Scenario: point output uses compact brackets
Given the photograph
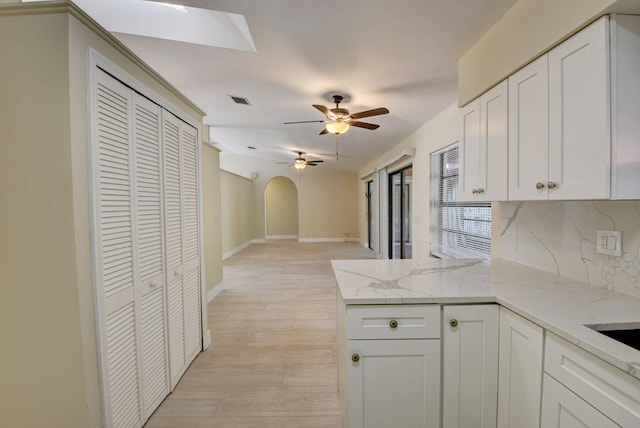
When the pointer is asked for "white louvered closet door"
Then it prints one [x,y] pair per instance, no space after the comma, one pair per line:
[115,252]
[149,253]
[191,243]
[182,238]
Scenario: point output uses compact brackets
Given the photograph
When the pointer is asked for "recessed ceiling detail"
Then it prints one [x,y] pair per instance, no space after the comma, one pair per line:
[171,22]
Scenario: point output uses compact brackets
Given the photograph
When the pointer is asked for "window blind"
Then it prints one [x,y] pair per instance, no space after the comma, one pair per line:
[458,229]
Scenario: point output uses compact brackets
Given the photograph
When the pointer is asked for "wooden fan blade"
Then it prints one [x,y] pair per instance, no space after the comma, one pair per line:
[368,113]
[323,109]
[304,121]
[364,125]
[324,131]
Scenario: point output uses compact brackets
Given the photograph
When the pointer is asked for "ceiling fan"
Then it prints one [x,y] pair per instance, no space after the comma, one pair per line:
[339,120]
[300,162]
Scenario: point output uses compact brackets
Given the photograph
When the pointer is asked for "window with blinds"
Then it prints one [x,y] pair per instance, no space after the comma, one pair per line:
[458,229]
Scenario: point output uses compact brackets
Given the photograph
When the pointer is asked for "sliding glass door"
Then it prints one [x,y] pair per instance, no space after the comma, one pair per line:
[400,183]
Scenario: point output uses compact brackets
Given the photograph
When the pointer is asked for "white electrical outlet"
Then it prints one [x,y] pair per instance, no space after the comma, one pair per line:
[609,242]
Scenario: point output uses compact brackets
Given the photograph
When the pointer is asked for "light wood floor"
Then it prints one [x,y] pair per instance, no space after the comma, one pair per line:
[272,362]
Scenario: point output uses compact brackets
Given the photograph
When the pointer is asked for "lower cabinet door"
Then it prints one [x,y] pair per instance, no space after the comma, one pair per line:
[470,366]
[561,408]
[393,383]
[519,372]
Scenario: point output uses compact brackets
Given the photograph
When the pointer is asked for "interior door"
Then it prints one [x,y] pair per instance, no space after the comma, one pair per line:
[400,183]
[114,250]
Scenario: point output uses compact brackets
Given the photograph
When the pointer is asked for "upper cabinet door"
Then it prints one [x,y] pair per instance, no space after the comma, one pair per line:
[483,147]
[529,131]
[579,137]
[469,166]
[494,113]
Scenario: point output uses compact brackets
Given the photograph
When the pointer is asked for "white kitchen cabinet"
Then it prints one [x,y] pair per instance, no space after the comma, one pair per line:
[389,365]
[529,131]
[579,138]
[470,366]
[393,383]
[573,128]
[483,147]
[559,142]
[611,391]
[519,372]
[561,408]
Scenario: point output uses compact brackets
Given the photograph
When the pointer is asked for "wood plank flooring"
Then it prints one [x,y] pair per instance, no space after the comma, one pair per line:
[272,362]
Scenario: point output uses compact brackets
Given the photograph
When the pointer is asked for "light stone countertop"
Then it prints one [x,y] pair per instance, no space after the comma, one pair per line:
[557,304]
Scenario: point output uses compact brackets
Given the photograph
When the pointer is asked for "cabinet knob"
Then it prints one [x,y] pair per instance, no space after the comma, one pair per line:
[539,185]
[480,190]
[474,191]
[355,358]
[453,322]
[551,185]
[393,324]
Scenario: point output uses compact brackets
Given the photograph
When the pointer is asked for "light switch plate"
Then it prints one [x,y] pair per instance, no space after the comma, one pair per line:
[609,242]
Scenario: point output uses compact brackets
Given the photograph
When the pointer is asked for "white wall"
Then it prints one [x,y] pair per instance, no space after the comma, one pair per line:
[437,133]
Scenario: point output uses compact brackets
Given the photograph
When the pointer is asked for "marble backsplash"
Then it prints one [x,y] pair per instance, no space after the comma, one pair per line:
[560,237]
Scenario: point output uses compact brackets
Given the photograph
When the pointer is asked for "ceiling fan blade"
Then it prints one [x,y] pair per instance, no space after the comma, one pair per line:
[284,163]
[324,131]
[314,162]
[364,125]
[368,113]
[304,121]
[311,164]
[323,109]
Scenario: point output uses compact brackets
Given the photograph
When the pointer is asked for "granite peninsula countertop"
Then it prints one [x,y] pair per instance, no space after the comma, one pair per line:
[560,305]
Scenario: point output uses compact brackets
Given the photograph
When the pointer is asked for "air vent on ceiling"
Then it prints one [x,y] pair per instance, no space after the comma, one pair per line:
[240,100]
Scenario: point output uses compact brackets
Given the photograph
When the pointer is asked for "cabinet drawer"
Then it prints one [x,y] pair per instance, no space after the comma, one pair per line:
[608,389]
[393,322]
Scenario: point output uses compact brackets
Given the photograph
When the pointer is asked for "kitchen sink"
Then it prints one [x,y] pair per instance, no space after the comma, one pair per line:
[627,333]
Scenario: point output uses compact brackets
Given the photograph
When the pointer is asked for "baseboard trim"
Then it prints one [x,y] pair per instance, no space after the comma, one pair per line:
[282,236]
[328,240]
[211,294]
[239,248]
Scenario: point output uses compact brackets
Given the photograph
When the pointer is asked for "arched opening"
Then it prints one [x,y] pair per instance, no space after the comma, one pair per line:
[281,209]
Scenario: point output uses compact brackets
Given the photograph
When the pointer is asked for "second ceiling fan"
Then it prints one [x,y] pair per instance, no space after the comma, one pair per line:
[339,119]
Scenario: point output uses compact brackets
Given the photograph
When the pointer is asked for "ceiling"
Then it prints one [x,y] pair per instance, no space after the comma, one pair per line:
[398,54]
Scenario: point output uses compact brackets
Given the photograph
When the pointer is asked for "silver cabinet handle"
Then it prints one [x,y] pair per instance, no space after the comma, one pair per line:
[393,324]
[539,185]
[480,190]
[355,358]
[551,185]
[453,322]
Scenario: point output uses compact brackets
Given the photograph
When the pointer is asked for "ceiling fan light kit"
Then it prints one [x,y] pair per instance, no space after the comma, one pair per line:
[338,120]
[301,163]
[338,127]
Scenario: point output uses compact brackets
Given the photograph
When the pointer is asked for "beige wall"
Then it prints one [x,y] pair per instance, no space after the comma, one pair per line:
[237,211]
[528,29]
[281,199]
[327,198]
[439,132]
[49,361]
[212,222]
[42,357]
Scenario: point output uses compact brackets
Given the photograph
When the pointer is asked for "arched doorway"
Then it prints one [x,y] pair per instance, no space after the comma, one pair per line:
[281,209]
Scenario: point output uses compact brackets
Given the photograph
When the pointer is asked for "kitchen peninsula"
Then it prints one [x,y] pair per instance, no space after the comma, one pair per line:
[563,363]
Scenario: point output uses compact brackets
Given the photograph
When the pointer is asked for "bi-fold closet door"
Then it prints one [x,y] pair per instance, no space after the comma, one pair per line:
[146,249]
